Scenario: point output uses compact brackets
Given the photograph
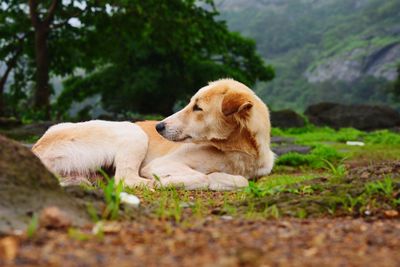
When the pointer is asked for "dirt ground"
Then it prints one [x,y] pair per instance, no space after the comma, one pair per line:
[222,242]
[219,239]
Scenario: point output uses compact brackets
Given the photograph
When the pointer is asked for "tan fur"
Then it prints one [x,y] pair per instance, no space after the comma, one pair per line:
[218,147]
[158,146]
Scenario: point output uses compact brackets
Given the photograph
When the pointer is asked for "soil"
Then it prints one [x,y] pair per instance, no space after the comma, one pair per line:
[222,242]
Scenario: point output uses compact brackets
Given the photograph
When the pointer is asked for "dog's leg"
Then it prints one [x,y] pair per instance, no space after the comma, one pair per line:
[175,174]
[80,149]
[127,164]
[220,181]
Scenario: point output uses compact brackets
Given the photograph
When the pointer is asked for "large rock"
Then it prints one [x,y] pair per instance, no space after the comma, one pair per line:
[286,119]
[362,117]
[26,187]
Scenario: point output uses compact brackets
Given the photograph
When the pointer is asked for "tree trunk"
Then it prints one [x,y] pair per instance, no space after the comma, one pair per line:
[10,65]
[43,91]
[2,84]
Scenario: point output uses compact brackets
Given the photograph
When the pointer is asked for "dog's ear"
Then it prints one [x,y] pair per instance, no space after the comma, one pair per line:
[235,103]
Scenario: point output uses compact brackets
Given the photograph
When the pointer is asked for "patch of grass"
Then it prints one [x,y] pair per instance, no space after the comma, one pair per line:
[315,159]
[171,204]
[278,185]
[33,226]
[78,234]
[322,197]
[383,137]
[311,134]
[337,171]
[371,153]
[384,187]
[112,192]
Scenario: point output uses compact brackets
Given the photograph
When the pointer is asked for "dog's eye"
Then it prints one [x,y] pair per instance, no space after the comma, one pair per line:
[197,108]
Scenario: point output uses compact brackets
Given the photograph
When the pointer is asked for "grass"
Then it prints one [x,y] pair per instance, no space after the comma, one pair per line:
[316,159]
[301,186]
[33,226]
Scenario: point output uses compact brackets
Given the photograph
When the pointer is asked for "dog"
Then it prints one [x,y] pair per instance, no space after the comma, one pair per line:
[218,141]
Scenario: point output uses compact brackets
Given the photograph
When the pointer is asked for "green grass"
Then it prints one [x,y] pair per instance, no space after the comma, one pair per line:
[330,145]
[316,159]
[33,226]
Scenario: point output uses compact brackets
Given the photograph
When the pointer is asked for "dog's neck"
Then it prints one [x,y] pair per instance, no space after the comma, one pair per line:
[240,140]
[255,144]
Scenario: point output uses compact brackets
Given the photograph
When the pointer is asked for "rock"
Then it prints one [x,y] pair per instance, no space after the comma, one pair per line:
[27,187]
[282,140]
[281,150]
[355,143]
[362,117]
[129,199]
[54,218]
[9,248]
[391,213]
[357,63]
[286,119]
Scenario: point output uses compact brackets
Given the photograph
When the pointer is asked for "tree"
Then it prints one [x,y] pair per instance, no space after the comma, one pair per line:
[38,38]
[42,28]
[13,36]
[162,51]
[128,50]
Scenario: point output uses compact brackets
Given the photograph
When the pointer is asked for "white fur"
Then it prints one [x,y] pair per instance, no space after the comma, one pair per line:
[79,149]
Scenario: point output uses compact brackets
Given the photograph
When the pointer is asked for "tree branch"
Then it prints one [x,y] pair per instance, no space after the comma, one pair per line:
[33,13]
[10,65]
[51,11]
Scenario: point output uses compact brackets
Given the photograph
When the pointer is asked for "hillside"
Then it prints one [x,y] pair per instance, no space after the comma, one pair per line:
[323,50]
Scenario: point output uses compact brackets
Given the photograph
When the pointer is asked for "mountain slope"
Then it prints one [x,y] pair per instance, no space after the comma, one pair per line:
[323,50]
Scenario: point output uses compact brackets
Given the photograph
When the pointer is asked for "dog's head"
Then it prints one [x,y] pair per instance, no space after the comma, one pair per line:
[213,113]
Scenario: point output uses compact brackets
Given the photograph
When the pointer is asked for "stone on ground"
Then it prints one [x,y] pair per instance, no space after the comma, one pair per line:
[27,187]
[362,117]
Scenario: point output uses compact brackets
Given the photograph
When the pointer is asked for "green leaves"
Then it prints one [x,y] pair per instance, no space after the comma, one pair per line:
[130,51]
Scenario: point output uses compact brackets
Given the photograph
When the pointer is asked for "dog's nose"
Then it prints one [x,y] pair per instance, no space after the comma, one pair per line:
[160,127]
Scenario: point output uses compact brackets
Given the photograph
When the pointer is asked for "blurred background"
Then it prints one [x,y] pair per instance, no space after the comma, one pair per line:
[126,59]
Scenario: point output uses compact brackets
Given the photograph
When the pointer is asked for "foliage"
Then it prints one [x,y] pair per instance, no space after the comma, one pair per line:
[127,52]
[165,52]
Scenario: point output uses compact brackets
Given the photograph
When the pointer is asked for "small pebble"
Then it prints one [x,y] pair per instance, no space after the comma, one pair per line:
[226,217]
[355,143]
[367,212]
[129,199]
[54,218]
[186,204]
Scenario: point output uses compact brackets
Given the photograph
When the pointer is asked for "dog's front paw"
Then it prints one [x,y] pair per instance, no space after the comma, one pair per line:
[138,182]
[226,182]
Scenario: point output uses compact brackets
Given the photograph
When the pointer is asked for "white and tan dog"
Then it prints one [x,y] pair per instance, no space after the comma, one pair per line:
[217,141]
